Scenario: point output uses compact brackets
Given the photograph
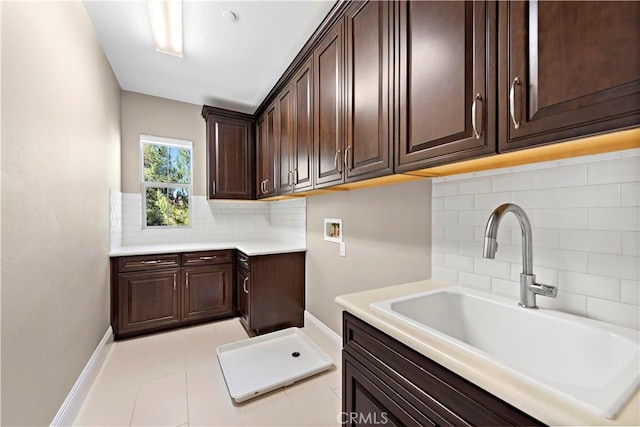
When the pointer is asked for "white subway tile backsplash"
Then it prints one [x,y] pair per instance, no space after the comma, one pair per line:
[458,262]
[475,281]
[613,171]
[630,292]
[630,194]
[590,196]
[621,218]
[562,176]
[437,259]
[459,232]
[536,198]
[475,185]
[631,243]
[512,182]
[562,260]
[458,203]
[444,274]
[444,218]
[566,302]
[589,285]
[437,204]
[492,268]
[490,200]
[506,288]
[560,218]
[586,232]
[622,266]
[608,311]
[592,241]
[445,189]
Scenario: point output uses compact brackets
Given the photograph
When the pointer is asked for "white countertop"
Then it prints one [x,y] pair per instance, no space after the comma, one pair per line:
[251,248]
[514,389]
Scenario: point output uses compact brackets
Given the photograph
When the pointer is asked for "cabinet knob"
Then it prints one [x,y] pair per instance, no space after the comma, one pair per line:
[512,102]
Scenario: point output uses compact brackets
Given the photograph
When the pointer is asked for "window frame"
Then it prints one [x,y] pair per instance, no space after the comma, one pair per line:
[169,142]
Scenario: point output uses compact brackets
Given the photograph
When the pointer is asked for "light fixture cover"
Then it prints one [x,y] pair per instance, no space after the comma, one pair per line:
[166,25]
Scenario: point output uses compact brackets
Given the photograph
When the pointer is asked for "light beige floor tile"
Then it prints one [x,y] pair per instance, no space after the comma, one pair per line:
[162,402]
[147,357]
[110,402]
[201,362]
[316,403]
[211,405]
[273,409]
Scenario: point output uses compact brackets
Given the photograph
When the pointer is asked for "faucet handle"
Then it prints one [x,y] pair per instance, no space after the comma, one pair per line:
[544,290]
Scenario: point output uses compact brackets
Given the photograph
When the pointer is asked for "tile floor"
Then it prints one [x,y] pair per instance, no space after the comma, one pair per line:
[173,379]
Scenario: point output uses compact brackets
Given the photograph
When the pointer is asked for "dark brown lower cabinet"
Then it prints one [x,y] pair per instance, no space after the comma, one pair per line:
[385,382]
[207,291]
[270,291]
[148,300]
[150,293]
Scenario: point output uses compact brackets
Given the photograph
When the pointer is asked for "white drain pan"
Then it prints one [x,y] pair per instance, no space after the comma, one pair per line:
[255,366]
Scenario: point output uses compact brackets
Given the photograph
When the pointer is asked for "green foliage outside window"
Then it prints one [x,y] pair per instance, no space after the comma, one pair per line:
[167,184]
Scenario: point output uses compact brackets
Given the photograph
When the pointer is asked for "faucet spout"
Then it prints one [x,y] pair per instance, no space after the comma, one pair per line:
[528,286]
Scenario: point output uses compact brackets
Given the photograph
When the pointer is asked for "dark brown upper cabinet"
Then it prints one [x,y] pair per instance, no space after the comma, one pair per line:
[445,82]
[286,163]
[567,69]
[368,43]
[230,154]
[328,63]
[302,84]
[267,152]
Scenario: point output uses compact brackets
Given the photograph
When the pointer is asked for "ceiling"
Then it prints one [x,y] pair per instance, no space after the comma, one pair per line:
[225,64]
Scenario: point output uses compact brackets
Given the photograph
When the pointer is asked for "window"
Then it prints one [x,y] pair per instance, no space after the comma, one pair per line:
[166,181]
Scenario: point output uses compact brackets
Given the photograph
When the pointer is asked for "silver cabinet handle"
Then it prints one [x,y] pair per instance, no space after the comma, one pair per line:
[174,282]
[346,158]
[243,259]
[244,285]
[266,186]
[295,176]
[289,178]
[473,116]
[213,187]
[335,160]
[512,102]
[204,258]
[262,187]
[152,262]
[187,277]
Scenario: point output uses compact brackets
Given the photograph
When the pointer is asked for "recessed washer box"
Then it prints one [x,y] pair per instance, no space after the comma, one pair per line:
[258,365]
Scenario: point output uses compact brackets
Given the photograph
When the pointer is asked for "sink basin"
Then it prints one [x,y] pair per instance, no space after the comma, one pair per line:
[591,363]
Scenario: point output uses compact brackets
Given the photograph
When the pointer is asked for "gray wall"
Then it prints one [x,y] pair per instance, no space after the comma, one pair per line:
[387,231]
[60,157]
[150,115]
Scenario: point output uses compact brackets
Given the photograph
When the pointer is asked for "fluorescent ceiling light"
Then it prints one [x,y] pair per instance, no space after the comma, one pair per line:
[166,24]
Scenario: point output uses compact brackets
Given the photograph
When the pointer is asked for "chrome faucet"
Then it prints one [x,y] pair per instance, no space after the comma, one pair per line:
[528,286]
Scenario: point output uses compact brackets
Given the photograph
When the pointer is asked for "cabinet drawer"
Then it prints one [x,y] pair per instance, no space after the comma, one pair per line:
[436,391]
[148,262]
[206,258]
[244,261]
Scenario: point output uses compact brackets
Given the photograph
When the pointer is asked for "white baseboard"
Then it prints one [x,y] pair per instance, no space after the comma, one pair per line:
[71,406]
[311,321]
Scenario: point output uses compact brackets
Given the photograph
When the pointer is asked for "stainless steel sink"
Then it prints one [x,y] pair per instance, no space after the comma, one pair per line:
[592,363]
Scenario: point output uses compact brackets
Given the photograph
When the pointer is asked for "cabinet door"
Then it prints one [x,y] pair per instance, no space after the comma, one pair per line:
[207,292]
[567,69]
[367,400]
[368,41]
[303,128]
[242,291]
[446,82]
[285,143]
[262,150]
[230,158]
[328,77]
[147,300]
[270,153]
